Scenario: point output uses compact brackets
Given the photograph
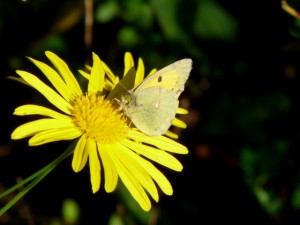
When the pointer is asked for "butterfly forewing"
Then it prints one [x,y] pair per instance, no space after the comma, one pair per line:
[171,77]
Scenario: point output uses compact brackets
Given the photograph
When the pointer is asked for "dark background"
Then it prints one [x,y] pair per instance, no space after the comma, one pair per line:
[242,95]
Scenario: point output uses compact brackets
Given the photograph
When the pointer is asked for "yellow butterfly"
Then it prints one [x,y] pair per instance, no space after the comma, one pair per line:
[152,105]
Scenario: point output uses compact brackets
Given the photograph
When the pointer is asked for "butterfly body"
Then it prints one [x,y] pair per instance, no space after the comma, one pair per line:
[152,105]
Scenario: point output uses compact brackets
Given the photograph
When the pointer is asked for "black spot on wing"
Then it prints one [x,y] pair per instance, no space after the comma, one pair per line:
[159,79]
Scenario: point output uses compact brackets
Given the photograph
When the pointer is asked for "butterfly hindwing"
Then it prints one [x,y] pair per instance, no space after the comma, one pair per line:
[154,114]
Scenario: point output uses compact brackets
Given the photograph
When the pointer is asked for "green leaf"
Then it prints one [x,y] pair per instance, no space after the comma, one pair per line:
[128,37]
[295,199]
[107,11]
[271,203]
[168,17]
[137,12]
[214,22]
[33,180]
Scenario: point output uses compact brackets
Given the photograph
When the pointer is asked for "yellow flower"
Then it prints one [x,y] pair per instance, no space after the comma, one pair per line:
[101,130]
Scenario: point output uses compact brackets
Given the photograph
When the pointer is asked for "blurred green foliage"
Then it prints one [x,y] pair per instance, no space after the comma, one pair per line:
[70,211]
[243,97]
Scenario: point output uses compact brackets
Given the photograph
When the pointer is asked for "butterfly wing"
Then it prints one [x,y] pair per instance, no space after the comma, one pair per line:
[153,110]
[171,77]
[152,105]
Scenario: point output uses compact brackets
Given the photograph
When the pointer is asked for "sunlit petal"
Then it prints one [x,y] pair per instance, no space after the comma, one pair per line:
[94,162]
[128,62]
[140,72]
[26,110]
[80,155]
[131,183]
[179,123]
[154,154]
[161,142]
[54,78]
[48,136]
[137,170]
[65,72]
[182,111]
[96,81]
[45,90]
[31,128]
[110,171]
[160,179]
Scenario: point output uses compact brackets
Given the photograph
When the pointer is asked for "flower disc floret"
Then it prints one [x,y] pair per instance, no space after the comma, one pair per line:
[99,119]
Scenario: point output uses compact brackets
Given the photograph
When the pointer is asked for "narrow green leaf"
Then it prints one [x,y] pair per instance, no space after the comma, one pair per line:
[33,179]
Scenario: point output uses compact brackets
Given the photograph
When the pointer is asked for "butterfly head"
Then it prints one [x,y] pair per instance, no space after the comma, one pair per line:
[126,99]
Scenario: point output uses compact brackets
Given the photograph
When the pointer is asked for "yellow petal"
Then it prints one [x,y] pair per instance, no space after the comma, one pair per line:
[21,80]
[80,155]
[45,90]
[160,179]
[54,78]
[140,72]
[86,75]
[179,123]
[96,81]
[110,171]
[26,110]
[182,111]
[169,145]
[160,142]
[137,170]
[128,62]
[171,135]
[152,72]
[131,183]
[53,135]
[110,82]
[95,168]
[111,77]
[154,154]
[65,72]
[33,127]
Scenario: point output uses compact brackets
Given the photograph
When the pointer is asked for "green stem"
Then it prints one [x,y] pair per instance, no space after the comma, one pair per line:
[34,178]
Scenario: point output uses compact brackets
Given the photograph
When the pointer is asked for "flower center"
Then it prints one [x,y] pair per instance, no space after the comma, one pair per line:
[99,119]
